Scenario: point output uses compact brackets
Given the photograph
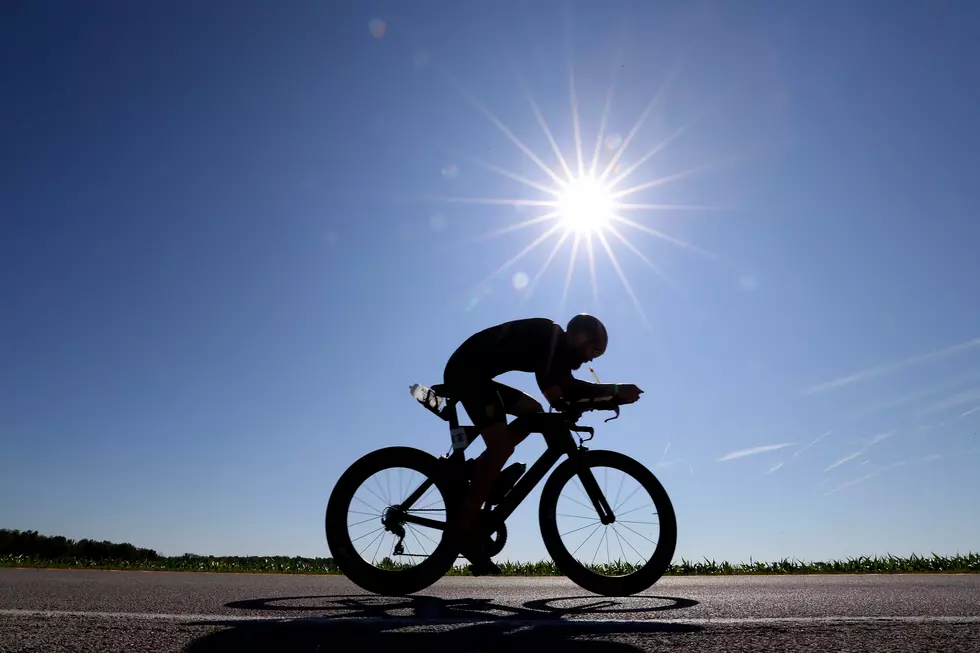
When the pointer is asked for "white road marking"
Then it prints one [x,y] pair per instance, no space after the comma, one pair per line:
[503,621]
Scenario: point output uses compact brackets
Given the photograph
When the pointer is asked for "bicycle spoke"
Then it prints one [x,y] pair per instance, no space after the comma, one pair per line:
[638,488]
[422,498]
[425,507]
[599,546]
[422,533]
[367,504]
[633,510]
[362,522]
[372,541]
[381,490]
[616,500]
[562,514]
[629,556]
[582,528]
[383,503]
[628,543]
[606,535]
[417,538]
[586,539]
[641,535]
[579,503]
[618,539]
[378,549]
[380,528]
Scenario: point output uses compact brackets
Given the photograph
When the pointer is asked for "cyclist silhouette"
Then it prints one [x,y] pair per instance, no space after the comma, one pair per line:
[536,345]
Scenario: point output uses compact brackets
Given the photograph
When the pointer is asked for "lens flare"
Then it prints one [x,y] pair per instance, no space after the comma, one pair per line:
[584,198]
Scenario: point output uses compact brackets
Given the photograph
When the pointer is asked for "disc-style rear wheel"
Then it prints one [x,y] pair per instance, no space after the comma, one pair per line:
[627,554]
[378,542]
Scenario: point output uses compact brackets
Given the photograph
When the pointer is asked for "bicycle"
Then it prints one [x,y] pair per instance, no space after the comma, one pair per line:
[449,475]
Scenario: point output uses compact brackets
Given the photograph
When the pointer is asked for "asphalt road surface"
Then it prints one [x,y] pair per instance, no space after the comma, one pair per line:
[202,613]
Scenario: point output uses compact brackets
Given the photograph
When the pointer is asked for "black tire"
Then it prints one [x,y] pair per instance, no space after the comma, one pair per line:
[625,585]
[388,582]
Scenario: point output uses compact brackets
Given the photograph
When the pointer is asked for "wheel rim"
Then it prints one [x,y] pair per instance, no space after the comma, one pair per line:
[614,549]
[376,520]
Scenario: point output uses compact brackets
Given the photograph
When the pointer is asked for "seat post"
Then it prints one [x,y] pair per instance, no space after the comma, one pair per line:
[452,416]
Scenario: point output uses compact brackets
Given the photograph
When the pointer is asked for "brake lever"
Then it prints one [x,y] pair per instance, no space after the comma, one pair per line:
[612,418]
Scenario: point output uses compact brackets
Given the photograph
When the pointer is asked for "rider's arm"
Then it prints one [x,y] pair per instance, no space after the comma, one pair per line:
[566,388]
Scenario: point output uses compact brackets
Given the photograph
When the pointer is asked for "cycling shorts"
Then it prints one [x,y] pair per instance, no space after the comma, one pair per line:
[486,401]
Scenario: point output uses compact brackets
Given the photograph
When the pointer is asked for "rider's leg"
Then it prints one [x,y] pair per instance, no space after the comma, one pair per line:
[500,441]
[486,469]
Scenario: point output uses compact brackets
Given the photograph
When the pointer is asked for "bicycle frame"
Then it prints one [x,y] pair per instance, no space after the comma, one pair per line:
[557,429]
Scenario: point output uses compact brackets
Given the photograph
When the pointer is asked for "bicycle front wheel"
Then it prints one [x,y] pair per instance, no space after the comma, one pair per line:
[628,553]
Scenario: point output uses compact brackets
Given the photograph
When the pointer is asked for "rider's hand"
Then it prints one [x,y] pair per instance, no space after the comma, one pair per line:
[628,393]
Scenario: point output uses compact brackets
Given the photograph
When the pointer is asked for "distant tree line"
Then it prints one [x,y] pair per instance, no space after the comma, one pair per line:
[52,547]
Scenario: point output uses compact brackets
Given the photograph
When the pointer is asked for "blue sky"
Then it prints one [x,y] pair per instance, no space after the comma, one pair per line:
[227,250]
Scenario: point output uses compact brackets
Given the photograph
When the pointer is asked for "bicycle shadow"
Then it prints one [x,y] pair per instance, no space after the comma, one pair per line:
[417,623]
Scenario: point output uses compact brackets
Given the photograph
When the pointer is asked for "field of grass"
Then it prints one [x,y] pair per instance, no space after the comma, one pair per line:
[31,549]
[969,563]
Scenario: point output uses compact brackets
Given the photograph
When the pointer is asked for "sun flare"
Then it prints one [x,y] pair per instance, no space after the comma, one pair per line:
[585,205]
[584,200]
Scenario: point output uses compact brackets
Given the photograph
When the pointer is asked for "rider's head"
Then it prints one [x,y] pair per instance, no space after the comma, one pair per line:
[587,337]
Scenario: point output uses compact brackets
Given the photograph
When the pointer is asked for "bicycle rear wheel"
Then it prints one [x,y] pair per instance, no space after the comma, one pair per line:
[566,510]
[414,555]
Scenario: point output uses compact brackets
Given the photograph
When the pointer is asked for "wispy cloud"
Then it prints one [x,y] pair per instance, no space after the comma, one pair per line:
[813,442]
[880,437]
[864,478]
[970,412]
[742,453]
[880,370]
[845,459]
[663,463]
[931,457]
[964,398]
[796,454]
[900,401]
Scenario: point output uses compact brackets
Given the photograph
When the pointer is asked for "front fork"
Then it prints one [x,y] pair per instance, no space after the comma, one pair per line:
[591,485]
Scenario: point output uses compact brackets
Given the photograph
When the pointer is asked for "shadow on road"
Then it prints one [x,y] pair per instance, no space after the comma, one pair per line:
[368,623]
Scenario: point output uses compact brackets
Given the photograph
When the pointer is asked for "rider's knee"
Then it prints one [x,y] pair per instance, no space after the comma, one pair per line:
[499,440]
[501,452]
[527,405]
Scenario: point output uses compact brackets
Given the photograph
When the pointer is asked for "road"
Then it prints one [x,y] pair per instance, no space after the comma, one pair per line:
[48,610]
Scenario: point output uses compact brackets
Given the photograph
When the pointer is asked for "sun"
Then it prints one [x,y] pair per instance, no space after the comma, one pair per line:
[585,205]
[584,201]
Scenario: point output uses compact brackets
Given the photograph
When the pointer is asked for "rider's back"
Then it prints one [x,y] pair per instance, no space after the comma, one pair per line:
[535,345]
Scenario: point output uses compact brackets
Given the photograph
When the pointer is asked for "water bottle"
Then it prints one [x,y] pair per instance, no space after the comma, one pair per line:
[425,396]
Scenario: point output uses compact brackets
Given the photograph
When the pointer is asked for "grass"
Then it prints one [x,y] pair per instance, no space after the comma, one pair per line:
[969,563]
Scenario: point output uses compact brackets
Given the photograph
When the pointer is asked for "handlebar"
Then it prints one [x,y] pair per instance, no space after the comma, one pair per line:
[575,410]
